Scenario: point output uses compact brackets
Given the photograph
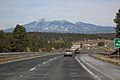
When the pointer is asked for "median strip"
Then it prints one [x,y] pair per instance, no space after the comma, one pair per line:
[7,58]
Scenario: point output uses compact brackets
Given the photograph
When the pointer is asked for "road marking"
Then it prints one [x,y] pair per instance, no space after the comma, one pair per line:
[101,72]
[54,57]
[44,62]
[50,59]
[95,76]
[32,69]
[21,76]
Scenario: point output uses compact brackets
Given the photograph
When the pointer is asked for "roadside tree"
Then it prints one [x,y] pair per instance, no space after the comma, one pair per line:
[19,39]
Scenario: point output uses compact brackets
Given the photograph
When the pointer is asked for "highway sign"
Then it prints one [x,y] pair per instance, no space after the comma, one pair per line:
[117,42]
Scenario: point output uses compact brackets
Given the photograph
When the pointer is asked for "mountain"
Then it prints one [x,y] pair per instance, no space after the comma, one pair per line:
[63,26]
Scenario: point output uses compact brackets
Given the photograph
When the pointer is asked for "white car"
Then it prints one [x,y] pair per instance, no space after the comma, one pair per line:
[68,53]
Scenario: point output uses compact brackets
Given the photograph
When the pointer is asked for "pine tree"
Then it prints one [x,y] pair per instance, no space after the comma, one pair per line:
[117,21]
[19,39]
[2,46]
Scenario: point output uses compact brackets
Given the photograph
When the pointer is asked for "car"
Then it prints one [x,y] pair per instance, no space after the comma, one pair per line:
[68,53]
[77,51]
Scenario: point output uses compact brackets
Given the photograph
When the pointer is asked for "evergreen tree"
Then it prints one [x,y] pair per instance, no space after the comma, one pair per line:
[117,21]
[2,38]
[19,39]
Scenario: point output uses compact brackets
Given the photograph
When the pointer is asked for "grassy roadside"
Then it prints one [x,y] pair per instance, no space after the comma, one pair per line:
[106,58]
[4,58]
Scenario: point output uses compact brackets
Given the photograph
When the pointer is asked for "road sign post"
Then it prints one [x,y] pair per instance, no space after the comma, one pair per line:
[117,44]
[118,54]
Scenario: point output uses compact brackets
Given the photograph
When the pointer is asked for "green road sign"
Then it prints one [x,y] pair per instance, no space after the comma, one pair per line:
[117,42]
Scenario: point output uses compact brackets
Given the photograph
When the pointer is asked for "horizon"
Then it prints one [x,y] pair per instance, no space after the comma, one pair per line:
[98,12]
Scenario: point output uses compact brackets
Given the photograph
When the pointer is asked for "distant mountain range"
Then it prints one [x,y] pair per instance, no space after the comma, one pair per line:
[63,26]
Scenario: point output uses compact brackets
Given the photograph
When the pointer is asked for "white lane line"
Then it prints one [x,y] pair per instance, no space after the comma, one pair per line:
[54,57]
[21,76]
[44,62]
[50,59]
[32,69]
[95,76]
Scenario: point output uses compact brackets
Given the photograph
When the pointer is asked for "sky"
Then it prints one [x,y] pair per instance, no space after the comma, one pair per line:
[99,12]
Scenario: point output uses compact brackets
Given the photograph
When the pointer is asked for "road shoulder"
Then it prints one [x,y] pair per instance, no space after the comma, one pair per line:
[103,70]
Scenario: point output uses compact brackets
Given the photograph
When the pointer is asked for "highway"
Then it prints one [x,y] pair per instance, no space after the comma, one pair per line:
[53,67]
[58,67]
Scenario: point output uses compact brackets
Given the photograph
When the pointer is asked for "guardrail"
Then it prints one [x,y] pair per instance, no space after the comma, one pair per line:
[25,53]
[6,57]
[18,53]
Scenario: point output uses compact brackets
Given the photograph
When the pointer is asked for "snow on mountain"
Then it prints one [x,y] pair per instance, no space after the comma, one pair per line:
[64,26]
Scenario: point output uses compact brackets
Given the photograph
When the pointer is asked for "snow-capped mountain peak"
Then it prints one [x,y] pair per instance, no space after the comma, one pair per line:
[63,26]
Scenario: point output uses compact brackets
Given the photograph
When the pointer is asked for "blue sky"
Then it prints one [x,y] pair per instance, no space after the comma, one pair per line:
[100,12]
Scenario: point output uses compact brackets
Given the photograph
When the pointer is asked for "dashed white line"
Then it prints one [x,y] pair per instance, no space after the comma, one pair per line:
[95,76]
[44,62]
[21,76]
[54,57]
[32,69]
[50,59]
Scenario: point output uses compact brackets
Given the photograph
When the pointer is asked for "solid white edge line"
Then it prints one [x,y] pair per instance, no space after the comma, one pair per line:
[95,76]
[101,72]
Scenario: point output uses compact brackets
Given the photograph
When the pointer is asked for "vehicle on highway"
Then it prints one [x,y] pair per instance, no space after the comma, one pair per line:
[68,53]
[77,51]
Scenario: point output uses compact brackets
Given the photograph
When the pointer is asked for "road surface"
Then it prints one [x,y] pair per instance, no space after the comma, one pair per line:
[103,70]
[53,67]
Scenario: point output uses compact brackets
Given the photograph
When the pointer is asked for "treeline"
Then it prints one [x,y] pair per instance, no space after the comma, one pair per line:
[14,42]
[20,40]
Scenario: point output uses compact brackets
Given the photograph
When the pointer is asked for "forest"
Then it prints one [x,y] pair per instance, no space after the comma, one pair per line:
[21,41]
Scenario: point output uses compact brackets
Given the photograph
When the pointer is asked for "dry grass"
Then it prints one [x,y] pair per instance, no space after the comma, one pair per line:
[6,58]
[18,57]
[106,58]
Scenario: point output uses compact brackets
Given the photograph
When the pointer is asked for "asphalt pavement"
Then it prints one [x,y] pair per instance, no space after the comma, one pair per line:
[53,67]
[101,69]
